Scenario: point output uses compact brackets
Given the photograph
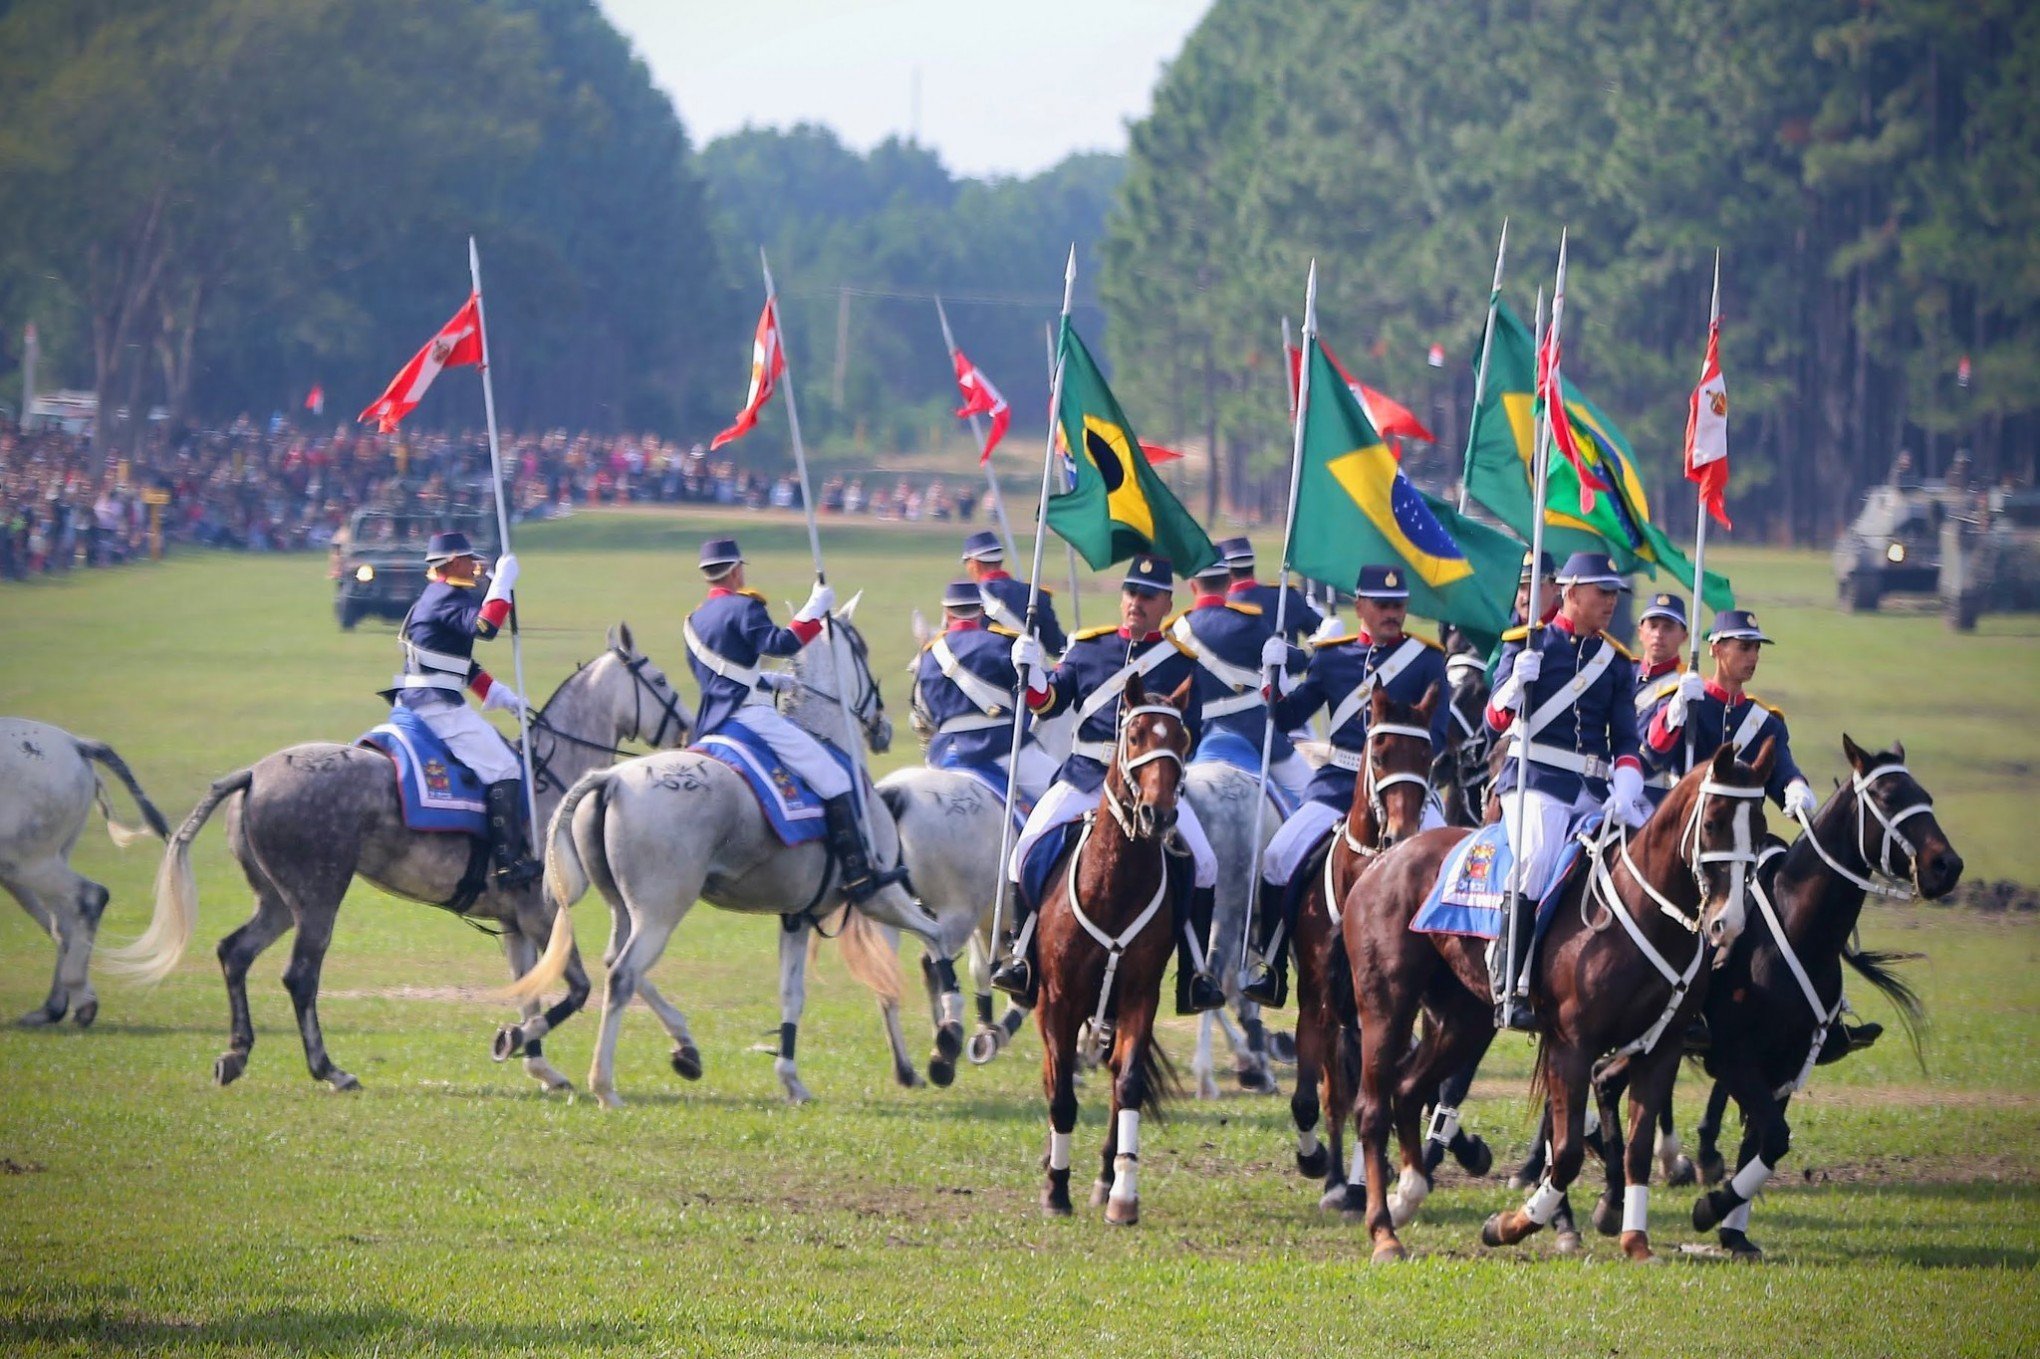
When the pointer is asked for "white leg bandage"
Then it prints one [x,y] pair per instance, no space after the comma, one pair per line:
[1306,1142]
[1410,1189]
[1738,1220]
[1542,1205]
[1058,1151]
[1636,1208]
[1444,1125]
[1358,1175]
[1750,1179]
[1126,1157]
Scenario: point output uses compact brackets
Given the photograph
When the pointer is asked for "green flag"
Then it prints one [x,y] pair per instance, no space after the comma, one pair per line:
[1113,506]
[1499,471]
[1355,507]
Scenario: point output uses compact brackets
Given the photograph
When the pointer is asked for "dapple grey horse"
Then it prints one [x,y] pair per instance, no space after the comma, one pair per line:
[47,788]
[654,835]
[306,820]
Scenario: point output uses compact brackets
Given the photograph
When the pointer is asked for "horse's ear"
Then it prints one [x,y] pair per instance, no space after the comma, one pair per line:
[1428,704]
[1767,755]
[1898,749]
[613,643]
[1180,700]
[1135,692]
[620,638]
[849,611]
[1857,756]
[922,632]
[1377,705]
[1723,763]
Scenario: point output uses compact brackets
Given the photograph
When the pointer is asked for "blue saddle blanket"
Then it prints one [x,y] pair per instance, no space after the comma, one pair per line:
[438,792]
[994,781]
[1229,747]
[1037,870]
[793,809]
[1471,893]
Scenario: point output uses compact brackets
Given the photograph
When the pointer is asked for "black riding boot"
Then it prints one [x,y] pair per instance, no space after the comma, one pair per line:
[1196,991]
[1513,1011]
[1015,973]
[1843,1039]
[846,841]
[508,847]
[1267,980]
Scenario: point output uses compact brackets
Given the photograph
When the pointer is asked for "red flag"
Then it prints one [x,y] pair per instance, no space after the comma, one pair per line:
[768,365]
[1157,454]
[1384,412]
[458,344]
[980,397]
[1707,432]
[1550,390]
[315,400]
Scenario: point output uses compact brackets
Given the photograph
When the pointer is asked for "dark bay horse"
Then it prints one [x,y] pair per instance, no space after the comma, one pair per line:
[1675,888]
[1104,941]
[1464,769]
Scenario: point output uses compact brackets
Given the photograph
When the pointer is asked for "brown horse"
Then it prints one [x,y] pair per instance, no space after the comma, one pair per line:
[1388,806]
[1104,941]
[1675,887]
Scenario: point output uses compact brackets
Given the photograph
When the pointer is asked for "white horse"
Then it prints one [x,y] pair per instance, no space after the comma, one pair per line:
[656,834]
[47,788]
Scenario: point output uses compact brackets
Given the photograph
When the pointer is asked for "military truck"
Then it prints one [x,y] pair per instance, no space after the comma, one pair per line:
[1990,557]
[1894,545]
[379,569]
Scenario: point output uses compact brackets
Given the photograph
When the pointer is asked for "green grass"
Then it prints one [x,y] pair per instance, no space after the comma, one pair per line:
[450,1208]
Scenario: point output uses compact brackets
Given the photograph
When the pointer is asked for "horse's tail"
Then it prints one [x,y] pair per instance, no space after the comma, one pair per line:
[869,955]
[153,956]
[1874,966]
[122,835]
[566,876]
[1159,1081]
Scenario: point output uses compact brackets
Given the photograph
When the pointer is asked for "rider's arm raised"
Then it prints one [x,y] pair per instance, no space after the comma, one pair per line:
[772,640]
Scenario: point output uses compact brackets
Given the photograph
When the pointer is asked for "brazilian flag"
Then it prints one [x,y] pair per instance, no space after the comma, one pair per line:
[1354,507]
[1499,474]
[1113,506]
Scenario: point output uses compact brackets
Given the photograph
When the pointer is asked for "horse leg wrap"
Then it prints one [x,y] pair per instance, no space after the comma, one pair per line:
[1358,1175]
[1636,1208]
[1444,1125]
[1738,1219]
[788,1033]
[1750,1179]
[952,1006]
[945,975]
[1126,1156]
[1307,1142]
[1667,1146]
[984,1008]
[1543,1203]
[1058,1151]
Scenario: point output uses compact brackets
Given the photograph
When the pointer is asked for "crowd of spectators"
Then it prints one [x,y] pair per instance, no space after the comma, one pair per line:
[280,489]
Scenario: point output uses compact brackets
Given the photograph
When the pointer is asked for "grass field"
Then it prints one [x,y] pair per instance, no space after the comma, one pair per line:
[450,1208]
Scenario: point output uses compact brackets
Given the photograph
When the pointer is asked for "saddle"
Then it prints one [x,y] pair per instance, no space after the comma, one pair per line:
[439,794]
[791,807]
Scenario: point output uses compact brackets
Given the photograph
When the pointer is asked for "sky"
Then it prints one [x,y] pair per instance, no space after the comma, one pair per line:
[1005,88]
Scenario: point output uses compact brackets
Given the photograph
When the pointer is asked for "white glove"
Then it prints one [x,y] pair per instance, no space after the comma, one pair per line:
[1625,798]
[820,600]
[1328,629]
[1798,799]
[772,681]
[501,696]
[1028,660]
[1691,687]
[1274,653]
[503,579]
[1529,665]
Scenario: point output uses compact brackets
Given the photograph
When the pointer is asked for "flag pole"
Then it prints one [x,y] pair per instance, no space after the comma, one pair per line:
[1055,386]
[1282,590]
[851,745]
[1700,515]
[977,434]
[1535,607]
[503,536]
[1487,341]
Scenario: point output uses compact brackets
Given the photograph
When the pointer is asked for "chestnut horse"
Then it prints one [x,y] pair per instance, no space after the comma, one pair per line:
[1104,940]
[1676,889]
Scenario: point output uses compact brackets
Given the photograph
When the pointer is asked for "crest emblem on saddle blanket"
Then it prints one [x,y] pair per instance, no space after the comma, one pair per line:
[437,781]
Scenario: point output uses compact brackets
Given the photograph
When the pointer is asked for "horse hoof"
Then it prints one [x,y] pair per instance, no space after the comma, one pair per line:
[1333,1200]
[607,1099]
[1608,1216]
[342,1083]
[686,1060]
[1388,1252]
[796,1093]
[1313,1164]
[1282,1046]
[1568,1243]
[942,1071]
[1255,1080]
[1491,1231]
[1056,1201]
[1101,1190]
[907,1078]
[949,1043]
[1707,1214]
[1713,1169]
[1207,1088]
[228,1068]
[1636,1246]
[985,1044]
[85,1014]
[509,1042]
[41,1017]
[1682,1172]
[1122,1212]
[1478,1159]
[1740,1247]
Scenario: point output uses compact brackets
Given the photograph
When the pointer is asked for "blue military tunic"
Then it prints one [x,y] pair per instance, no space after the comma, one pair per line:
[1006,604]
[438,644]
[1338,668]
[1714,718]
[1572,752]
[964,681]
[1094,658]
[735,626]
[1300,621]
[1654,685]
[1225,638]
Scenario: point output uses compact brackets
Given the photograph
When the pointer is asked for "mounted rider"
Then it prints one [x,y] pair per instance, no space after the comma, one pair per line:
[1343,674]
[1005,599]
[1226,636]
[1090,680]
[438,639]
[1302,618]
[964,682]
[1569,690]
[727,637]
[1661,636]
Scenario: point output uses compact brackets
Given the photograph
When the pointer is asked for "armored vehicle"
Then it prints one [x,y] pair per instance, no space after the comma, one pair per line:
[380,569]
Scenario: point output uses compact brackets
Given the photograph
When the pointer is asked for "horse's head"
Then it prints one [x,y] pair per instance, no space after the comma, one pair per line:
[1895,830]
[845,661]
[1722,803]
[1396,781]
[1147,766]
[623,696]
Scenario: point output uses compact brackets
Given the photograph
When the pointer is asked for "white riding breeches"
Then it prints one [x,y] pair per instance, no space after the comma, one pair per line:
[473,741]
[1537,841]
[1292,844]
[1064,803]
[1293,773]
[1036,772]
[802,753]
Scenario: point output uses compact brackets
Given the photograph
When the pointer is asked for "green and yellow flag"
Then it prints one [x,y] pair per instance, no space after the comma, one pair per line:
[1499,474]
[1354,507]
[1112,505]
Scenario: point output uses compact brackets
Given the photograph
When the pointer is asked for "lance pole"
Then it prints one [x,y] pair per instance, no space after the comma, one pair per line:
[503,536]
[977,434]
[1487,341]
[1700,514]
[1274,678]
[1055,387]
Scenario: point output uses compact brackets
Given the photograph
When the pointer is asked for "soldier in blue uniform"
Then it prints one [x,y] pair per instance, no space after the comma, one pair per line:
[1343,674]
[964,683]
[1005,598]
[727,637]
[1693,720]
[1661,636]
[1568,690]
[439,635]
[1226,637]
[1090,680]
[1300,620]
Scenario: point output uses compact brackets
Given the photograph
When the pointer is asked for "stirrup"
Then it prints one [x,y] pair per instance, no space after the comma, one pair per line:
[1202,994]
[1515,1013]
[1266,984]
[519,873]
[1015,976]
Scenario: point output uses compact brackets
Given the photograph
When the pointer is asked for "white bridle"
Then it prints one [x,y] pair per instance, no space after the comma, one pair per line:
[1899,886]
[1126,814]
[1375,789]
